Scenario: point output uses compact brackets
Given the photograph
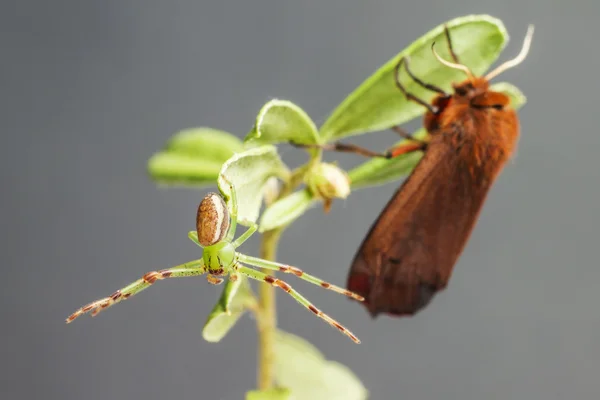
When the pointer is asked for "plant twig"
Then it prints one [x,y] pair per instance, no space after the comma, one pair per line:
[267,322]
[266,311]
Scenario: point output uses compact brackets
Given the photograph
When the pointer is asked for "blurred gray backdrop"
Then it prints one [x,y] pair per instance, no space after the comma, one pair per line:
[90,89]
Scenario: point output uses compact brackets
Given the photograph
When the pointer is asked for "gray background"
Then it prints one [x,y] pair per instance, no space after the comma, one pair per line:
[90,89]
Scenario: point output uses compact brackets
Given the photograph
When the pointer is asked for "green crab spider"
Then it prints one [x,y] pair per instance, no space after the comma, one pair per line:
[215,232]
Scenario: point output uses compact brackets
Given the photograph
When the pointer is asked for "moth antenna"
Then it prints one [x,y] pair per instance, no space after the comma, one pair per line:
[515,61]
[459,67]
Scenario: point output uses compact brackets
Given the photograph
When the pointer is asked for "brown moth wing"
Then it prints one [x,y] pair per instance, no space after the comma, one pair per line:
[410,251]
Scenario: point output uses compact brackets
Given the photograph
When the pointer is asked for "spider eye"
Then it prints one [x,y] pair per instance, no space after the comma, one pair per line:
[212,220]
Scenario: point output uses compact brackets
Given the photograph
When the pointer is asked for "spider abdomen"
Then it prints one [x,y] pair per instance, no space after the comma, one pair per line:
[212,220]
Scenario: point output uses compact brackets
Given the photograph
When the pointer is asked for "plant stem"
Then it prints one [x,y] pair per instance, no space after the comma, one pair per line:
[266,311]
[267,322]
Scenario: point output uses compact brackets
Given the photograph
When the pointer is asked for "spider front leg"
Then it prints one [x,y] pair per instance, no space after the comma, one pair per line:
[259,276]
[288,269]
[192,268]
[234,210]
[234,219]
[245,236]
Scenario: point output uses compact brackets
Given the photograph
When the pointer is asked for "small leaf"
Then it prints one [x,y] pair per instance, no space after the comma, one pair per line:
[302,368]
[182,170]
[249,172]
[286,210]
[236,297]
[207,143]
[378,104]
[282,121]
[271,394]
[193,157]
[378,171]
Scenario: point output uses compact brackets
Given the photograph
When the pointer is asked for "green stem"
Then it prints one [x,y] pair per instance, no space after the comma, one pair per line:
[267,322]
[266,310]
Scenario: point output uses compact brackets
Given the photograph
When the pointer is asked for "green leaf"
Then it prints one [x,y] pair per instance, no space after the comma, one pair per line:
[193,157]
[207,143]
[286,210]
[249,171]
[378,104]
[282,121]
[236,297]
[378,171]
[182,170]
[302,368]
[271,394]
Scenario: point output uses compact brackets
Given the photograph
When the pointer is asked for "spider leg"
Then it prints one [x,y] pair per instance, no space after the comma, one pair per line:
[193,236]
[234,209]
[259,276]
[288,269]
[191,268]
[245,236]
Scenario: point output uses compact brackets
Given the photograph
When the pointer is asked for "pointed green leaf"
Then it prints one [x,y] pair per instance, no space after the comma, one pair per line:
[249,172]
[378,104]
[234,300]
[286,210]
[378,171]
[271,394]
[282,121]
[302,368]
[193,157]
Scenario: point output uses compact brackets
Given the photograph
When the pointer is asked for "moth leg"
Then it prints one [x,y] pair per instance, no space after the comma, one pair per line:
[410,96]
[344,148]
[407,136]
[450,49]
[427,86]
[407,147]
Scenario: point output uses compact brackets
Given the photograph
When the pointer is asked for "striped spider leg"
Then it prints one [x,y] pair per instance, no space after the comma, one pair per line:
[261,276]
[288,269]
[192,268]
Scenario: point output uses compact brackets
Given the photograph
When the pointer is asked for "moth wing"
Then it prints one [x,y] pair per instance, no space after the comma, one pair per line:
[409,252]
